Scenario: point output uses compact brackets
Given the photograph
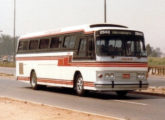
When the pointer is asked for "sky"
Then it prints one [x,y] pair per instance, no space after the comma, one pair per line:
[41,15]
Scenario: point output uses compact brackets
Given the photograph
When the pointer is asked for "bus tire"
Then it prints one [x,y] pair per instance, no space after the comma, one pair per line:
[121,93]
[79,85]
[33,81]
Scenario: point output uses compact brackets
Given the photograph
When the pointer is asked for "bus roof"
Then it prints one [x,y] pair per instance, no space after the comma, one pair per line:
[82,28]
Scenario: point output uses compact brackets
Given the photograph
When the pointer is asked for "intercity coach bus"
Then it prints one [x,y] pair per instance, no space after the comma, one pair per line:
[97,57]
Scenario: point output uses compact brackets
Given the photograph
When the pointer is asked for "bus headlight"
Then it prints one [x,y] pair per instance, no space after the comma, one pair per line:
[141,76]
[109,76]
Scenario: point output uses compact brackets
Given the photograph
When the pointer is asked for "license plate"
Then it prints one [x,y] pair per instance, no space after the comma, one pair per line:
[126,76]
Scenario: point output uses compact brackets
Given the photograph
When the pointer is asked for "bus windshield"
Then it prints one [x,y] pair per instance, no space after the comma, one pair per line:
[120,46]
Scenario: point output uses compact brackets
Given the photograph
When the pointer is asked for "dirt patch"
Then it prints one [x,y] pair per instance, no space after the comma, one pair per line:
[154,90]
[21,110]
[7,76]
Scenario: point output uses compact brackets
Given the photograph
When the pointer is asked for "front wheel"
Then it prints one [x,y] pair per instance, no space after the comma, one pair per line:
[79,85]
[33,81]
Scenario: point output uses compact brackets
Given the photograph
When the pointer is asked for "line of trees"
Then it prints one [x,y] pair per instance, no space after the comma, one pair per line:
[7,44]
[153,52]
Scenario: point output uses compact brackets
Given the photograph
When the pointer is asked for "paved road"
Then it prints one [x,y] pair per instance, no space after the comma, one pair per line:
[7,70]
[157,81]
[133,107]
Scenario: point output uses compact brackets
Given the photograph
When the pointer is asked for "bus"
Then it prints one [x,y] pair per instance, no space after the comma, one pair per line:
[96,57]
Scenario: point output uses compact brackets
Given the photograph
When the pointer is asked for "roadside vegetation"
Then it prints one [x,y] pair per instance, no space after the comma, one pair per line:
[156,61]
[7,64]
[155,56]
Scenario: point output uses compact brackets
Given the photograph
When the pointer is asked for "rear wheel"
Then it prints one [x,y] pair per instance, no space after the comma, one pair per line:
[122,93]
[79,85]
[33,81]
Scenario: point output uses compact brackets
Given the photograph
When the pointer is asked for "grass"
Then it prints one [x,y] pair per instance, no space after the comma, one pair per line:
[7,64]
[156,61]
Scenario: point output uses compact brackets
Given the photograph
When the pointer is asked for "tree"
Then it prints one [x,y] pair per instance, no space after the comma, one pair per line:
[7,45]
[152,52]
[149,49]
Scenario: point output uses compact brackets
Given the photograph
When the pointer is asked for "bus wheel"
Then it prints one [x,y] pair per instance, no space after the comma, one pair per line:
[79,85]
[33,81]
[121,93]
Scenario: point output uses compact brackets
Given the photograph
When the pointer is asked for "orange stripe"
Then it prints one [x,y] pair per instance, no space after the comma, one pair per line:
[23,78]
[66,61]
[55,81]
[89,84]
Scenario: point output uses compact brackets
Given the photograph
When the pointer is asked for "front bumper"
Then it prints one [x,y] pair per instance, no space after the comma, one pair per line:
[121,86]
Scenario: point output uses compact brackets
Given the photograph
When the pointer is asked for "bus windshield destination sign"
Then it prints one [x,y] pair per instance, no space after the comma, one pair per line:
[119,32]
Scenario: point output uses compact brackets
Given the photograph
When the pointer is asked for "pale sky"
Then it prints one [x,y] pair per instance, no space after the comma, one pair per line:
[41,15]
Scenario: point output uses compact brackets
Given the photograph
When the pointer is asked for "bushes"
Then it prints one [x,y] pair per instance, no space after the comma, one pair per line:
[156,61]
[7,64]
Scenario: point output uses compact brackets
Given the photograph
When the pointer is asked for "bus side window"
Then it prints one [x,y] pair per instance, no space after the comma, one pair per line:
[91,47]
[85,48]
[23,45]
[82,50]
[20,47]
[55,42]
[44,44]
[69,42]
[72,42]
[33,45]
[66,42]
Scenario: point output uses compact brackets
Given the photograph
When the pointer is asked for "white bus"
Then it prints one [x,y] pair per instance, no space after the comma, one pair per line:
[98,57]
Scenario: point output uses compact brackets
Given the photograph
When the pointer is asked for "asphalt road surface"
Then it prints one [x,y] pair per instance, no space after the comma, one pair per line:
[157,81]
[132,107]
[7,70]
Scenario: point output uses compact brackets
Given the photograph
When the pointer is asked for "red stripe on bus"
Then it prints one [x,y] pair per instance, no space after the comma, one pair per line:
[23,78]
[55,81]
[67,61]
[65,82]
[89,84]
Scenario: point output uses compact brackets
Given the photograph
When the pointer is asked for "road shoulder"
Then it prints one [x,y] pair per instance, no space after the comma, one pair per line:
[23,110]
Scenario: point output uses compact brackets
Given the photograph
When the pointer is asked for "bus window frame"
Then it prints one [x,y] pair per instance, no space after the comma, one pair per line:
[44,38]
[69,35]
[87,37]
[18,50]
[37,48]
[60,40]
[60,49]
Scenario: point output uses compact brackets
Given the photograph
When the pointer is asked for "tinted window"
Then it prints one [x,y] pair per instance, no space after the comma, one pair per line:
[20,47]
[82,48]
[69,42]
[55,43]
[91,47]
[120,46]
[23,45]
[33,44]
[44,43]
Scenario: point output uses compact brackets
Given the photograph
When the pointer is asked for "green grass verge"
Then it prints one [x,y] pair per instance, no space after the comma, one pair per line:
[155,61]
[7,64]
